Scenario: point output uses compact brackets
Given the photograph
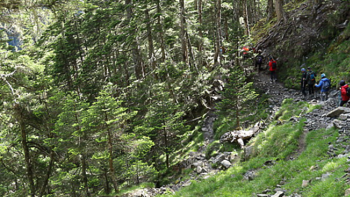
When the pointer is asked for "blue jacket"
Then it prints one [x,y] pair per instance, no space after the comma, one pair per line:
[321,84]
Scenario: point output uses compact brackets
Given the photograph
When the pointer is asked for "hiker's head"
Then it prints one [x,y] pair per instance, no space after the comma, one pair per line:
[303,70]
[342,83]
[323,75]
[309,68]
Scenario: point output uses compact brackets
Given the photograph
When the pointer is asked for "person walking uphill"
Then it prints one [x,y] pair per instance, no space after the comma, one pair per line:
[343,90]
[259,60]
[325,85]
[273,66]
[310,78]
[303,82]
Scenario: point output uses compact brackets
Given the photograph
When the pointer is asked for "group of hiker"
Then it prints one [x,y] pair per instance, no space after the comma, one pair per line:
[272,65]
[308,78]
[308,81]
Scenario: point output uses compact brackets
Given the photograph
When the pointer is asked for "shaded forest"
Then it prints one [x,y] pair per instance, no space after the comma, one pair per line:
[97,96]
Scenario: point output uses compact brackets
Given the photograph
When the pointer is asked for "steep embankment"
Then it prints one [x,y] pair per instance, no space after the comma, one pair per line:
[312,36]
[302,152]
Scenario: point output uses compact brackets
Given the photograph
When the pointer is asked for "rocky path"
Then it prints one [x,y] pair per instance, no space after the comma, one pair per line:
[325,117]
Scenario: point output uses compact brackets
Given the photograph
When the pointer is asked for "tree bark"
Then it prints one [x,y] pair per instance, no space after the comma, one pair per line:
[279,10]
[135,48]
[110,150]
[182,31]
[218,33]
[270,10]
[245,17]
[200,32]
[161,33]
[42,191]
[27,159]
[151,56]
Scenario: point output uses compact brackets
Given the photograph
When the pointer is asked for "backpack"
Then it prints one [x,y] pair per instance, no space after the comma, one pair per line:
[312,76]
[259,59]
[348,91]
[326,85]
[274,65]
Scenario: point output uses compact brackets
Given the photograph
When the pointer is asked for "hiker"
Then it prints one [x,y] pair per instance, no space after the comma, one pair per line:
[310,78]
[259,60]
[303,82]
[325,85]
[245,52]
[343,90]
[273,66]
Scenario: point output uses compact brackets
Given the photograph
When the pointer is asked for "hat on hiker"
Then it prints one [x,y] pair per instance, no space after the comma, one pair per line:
[308,68]
[323,75]
[342,82]
[303,70]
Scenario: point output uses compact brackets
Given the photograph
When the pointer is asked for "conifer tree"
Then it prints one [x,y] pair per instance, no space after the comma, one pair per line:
[237,94]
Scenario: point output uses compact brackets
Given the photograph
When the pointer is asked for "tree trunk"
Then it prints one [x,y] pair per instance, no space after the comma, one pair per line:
[200,32]
[42,191]
[161,33]
[151,56]
[110,150]
[270,10]
[135,48]
[245,17]
[166,147]
[27,158]
[182,31]
[218,33]
[279,10]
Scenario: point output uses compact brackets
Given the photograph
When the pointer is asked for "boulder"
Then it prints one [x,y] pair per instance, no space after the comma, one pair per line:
[305,183]
[248,151]
[347,192]
[336,112]
[226,164]
[278,194]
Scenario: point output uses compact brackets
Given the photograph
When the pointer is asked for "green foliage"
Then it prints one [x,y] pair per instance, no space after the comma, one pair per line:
[237,94]
[290,108]
[280,142]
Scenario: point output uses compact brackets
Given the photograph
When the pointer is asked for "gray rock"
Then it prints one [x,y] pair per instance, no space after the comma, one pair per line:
[188,183]
[199,169]
[305,183]
[226,164]
[325,176]
[336,112]
[197,163]
[278,194]
[347,192]
[263,195]
[250,175]
[248,151]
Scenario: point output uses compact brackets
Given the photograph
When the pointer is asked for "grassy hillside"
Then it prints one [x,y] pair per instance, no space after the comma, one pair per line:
[272,166]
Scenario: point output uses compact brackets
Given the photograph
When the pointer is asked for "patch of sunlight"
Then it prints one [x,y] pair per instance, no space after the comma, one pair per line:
[330,166]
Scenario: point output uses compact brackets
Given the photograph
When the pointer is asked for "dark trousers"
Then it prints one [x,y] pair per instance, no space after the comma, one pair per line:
[303,89]
[311,88]
[258,65]
[273,75]
[342,102]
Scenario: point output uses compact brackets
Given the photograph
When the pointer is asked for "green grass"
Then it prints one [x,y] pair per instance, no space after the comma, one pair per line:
[277,143]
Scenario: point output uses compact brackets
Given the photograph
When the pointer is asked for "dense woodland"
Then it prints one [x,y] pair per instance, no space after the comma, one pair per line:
[100,95]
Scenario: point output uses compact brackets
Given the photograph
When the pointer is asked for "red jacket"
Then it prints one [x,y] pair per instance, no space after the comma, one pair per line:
[344,97]
[270,64]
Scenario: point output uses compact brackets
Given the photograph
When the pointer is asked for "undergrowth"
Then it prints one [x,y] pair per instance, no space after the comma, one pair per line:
[274,146]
